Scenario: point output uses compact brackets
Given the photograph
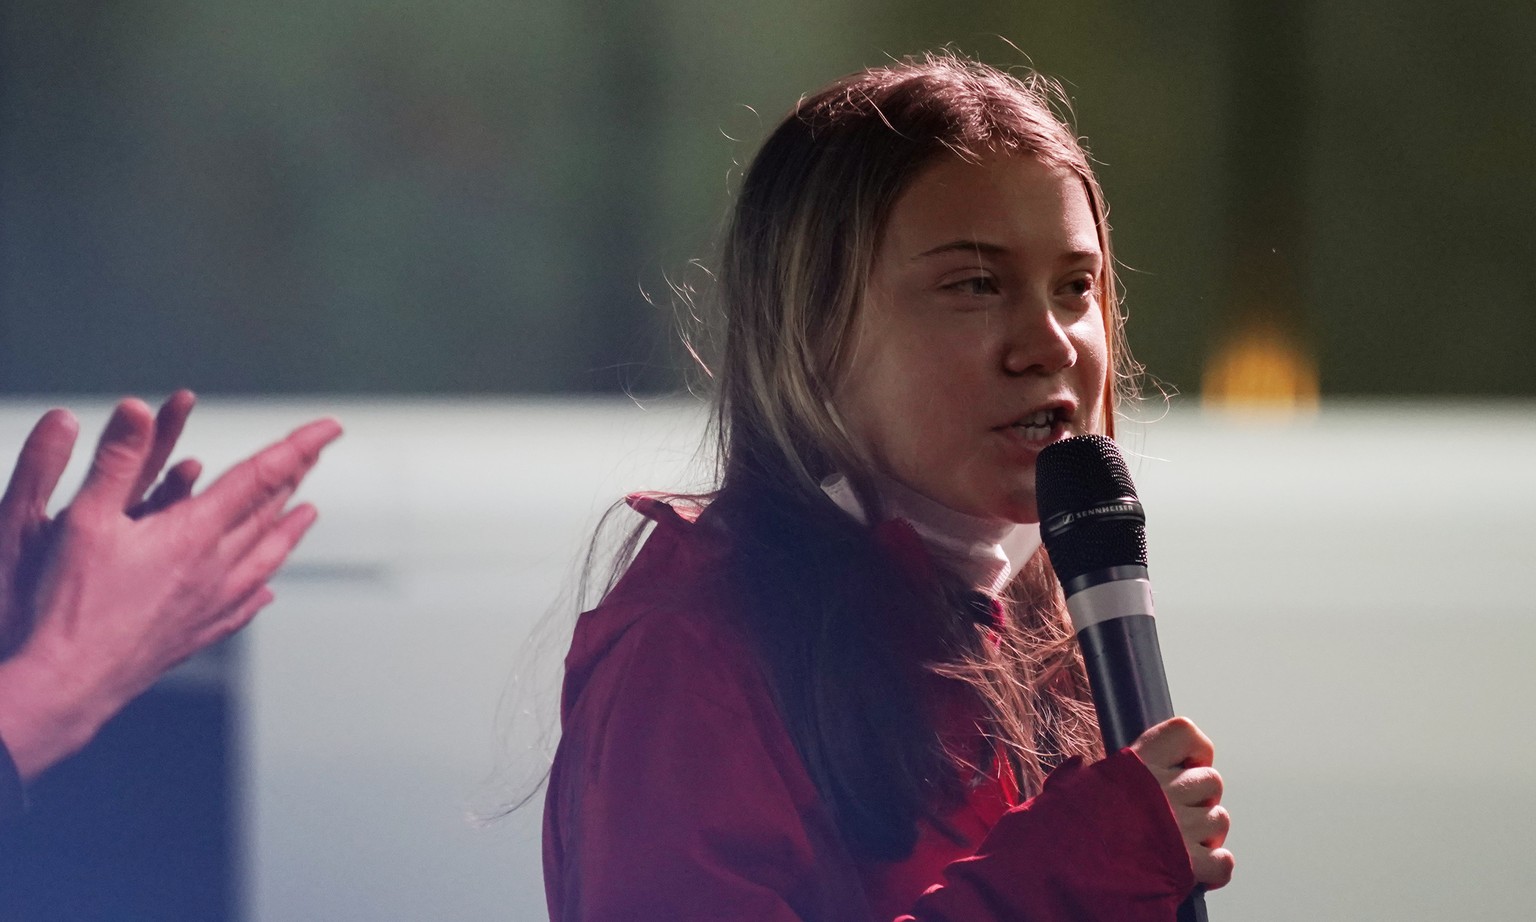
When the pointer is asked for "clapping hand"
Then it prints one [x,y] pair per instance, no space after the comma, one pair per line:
[25,527]
[124,585]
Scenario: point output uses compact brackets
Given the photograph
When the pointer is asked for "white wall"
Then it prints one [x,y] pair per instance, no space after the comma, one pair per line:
[1341,602]
[383,710]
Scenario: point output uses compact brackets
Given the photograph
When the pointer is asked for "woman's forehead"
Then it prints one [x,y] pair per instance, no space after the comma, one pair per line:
[1001,201]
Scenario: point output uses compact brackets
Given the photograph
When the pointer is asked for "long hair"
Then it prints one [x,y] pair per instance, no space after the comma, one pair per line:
[850,642]
[806,225]
[856,649]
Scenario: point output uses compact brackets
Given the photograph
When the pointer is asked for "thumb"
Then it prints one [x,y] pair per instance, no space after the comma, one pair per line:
[119,458]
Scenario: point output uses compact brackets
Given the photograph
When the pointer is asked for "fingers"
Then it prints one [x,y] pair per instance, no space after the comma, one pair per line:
[1214,868]
[246,579]
[1180,757]
[1204,829]
[169,423]
[1203,837]
[1208,828]
[176,486]
[238,616]
[1195,787]
[1174,743]
[239,540]
[260,561]
[254,482]
[247,609]
[120,456]
[41,463]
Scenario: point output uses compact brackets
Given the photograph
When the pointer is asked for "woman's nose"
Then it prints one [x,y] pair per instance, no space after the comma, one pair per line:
[1037,342]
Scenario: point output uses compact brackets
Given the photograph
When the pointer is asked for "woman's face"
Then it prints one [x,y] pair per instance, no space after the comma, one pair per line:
[980,339]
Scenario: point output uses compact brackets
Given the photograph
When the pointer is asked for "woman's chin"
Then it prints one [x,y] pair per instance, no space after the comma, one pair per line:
[1020,509]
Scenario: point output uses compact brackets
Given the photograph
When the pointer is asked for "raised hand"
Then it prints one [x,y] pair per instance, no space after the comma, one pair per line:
[25,527]
[120,599]
[1180,757]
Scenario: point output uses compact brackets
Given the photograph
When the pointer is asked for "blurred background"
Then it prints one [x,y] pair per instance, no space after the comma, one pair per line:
[340,196]
[456,225]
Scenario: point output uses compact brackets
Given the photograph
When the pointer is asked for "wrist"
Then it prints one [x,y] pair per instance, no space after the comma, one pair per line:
[46,714]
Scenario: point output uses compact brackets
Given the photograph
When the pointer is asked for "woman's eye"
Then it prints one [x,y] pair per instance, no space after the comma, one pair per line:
[1081,287]
[976,285]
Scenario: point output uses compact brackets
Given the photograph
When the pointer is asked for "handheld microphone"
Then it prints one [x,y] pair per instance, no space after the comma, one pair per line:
[1095,532]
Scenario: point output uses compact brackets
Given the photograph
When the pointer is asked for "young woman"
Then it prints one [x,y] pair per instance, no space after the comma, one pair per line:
[842,687]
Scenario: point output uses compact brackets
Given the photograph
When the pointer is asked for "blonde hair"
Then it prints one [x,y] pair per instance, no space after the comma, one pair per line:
[826,604]
[808,220]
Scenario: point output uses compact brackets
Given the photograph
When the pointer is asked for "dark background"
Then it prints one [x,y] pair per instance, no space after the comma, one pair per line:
[354,197]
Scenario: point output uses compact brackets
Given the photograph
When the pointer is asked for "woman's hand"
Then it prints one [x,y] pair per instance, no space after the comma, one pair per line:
[1179,756]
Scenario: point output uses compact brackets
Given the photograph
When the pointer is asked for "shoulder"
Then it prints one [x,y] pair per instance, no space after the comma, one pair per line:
[657,655]
[669,629]
[669,727]
[676,785]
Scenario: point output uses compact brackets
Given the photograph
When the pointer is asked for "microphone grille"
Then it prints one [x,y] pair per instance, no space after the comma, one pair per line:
[1090,518]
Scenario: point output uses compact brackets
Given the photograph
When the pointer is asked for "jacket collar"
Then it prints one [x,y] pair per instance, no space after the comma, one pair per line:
[985,553]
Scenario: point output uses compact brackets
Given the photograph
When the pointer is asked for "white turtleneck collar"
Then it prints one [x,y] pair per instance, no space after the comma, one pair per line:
[985,552]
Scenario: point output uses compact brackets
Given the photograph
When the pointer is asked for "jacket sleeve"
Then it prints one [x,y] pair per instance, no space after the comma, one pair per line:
[676,794]
[1099,842]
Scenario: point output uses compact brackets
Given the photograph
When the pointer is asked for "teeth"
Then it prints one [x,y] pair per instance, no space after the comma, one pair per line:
[1037,426]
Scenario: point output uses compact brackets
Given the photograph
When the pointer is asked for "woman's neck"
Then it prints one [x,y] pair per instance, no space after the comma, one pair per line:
[986,553]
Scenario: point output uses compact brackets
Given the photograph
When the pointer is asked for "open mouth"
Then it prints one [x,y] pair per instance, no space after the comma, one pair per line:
[1042,424]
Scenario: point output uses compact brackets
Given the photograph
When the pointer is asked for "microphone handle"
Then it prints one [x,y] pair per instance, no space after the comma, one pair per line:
[1130,694]
[1125,671]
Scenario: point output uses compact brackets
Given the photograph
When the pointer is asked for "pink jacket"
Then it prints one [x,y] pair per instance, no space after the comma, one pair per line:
[676,793]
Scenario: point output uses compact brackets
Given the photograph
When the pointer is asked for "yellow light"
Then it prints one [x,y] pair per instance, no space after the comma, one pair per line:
[1261,368]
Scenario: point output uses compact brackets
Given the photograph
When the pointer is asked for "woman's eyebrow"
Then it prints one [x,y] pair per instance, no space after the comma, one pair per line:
[995,249]
[968,246]
[1078,256]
